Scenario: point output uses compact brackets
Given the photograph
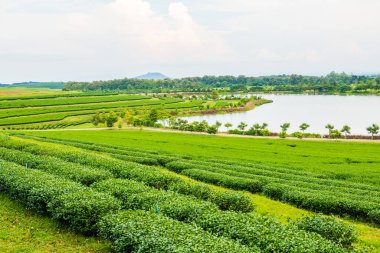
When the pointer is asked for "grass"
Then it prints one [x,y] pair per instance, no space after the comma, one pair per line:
[40,115]
[24,231]
[68,101]
[21,91]
[351,161]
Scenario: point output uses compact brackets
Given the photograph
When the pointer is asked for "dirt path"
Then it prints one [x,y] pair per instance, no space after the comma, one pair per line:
[198,133]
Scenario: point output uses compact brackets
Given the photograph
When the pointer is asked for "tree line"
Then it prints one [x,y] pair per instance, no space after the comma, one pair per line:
[333,82]
[155,118]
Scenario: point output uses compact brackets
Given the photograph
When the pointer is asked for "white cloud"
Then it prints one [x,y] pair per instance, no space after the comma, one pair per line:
[100,39]
[115,39]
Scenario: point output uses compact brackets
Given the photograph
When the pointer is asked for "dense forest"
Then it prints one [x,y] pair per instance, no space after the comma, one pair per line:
[333,82]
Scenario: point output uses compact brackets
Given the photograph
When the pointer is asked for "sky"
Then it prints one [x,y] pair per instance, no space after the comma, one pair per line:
[86,40]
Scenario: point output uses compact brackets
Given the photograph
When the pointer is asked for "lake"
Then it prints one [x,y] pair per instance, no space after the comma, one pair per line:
[358,112]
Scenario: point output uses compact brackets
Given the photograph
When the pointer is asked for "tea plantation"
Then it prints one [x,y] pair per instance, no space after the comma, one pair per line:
[144,200]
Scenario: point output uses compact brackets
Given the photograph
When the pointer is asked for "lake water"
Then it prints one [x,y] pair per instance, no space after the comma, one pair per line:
[358,112]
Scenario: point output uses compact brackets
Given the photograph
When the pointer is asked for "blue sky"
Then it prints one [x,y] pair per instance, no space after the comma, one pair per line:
[62,40]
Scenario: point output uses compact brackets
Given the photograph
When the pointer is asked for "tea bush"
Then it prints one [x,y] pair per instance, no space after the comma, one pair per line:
[329,228]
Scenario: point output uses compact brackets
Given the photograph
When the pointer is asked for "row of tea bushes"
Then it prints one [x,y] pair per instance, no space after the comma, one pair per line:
[133,155]
[269,174]
[326,199]
[66,201]
[252,230]
[81,208]
[141,231]
[330,228]
[261,181]
[151,176]
[52,165]
[322,202]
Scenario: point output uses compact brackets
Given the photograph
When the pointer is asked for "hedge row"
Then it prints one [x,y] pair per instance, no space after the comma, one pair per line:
[248,164]
[294,175]
[55,166]
[135,195]
[81,208]
[140,231]
[320,202]
[127,154]
[253,231]
[232,182]
[151,176]
[71,203]
[327,200]
[345,192]
[267,175]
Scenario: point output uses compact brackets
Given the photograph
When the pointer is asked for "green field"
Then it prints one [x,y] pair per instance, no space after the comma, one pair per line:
[62,109]
[21,92]
[351,161]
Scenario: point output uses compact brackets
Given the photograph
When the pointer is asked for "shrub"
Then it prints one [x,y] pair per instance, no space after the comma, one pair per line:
[139,231]
[329,228]
[82,210]
[264,233]
[136,195]
[55,166]
[232,201]
[224,180]
[374,215]
[35,189]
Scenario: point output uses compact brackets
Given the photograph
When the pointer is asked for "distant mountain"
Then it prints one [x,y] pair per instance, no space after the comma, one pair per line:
[152,76]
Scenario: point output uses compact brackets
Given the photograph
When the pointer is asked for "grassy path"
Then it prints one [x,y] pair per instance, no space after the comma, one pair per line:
[24,231]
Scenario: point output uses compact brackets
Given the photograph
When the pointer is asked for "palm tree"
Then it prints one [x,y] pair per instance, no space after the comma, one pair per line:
[242,126]
[304,126]
[284,128]
[346,130]
[228,125]
[218,125]
[330,128]
[373,130]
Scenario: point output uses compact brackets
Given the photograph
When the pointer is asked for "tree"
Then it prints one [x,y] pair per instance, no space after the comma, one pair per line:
[215,94]
[373,130]
[284,129]
[256,126]
[346,130]
[111,119]
[330,128]
[95,119]
[227,125]
[153,115]
[335,134]
[304,127]
[218,124]
[242,126]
